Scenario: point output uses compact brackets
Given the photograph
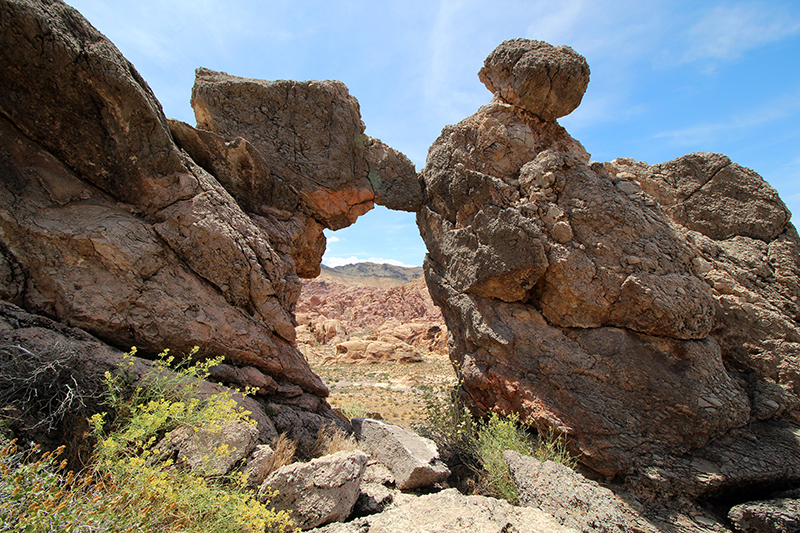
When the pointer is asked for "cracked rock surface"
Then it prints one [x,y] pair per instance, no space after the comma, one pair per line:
[649,313]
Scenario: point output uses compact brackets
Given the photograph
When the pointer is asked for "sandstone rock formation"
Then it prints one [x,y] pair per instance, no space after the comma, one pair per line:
[647,313]
[400,323]
[148,232]
[383,349]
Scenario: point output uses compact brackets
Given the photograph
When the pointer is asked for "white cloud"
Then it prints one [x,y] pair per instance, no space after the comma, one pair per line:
[339,261]
[726,32]
[333,238]
[381,260]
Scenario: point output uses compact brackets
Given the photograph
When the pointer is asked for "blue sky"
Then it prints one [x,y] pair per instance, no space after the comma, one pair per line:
[668,77]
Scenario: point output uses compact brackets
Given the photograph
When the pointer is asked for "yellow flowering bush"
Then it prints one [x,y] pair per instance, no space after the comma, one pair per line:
[129,488]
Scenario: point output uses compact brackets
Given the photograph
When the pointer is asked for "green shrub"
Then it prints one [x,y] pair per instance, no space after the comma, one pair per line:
[495,436]
[128,488]
[478,447]
[449,424]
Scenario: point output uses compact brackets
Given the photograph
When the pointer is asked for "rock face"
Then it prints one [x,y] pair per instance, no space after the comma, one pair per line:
[642,311]
[774,516]
[148,232]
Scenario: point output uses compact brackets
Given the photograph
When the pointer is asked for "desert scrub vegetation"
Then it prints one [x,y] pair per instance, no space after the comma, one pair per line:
[473,449]
[129,486]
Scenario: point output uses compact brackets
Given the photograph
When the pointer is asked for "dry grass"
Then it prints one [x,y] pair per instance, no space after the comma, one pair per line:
[331,439]
[283,450]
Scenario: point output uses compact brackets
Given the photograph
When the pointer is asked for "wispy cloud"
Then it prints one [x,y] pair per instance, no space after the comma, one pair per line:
[738,125]
[333,238]
[728,31]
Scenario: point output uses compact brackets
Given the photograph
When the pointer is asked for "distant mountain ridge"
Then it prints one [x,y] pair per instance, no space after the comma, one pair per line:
[371,274]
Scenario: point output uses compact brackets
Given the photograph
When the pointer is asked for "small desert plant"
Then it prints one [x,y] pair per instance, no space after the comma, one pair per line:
[553,447]
[42,387]
[128,488]
[354,409]
[495,436]
[468,444]
[449,423]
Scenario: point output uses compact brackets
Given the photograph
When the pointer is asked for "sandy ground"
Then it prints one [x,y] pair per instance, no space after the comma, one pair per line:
[395,390]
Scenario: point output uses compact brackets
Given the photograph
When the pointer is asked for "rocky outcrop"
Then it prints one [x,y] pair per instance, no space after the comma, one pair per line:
[647,313]
[361,308]
[351,317]
[367,324]
[773,516]
[382,349]
[569,497]
[148,232]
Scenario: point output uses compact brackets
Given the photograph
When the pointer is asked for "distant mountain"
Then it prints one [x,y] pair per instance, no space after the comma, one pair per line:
[370,274]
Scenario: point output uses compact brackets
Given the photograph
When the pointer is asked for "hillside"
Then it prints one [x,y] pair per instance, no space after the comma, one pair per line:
[370,274]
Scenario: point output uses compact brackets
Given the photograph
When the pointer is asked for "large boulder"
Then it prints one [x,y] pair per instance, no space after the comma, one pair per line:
[109,226]
[570,498]
[318,492]
[646,313]
[413,460]
[546,80]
